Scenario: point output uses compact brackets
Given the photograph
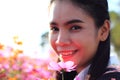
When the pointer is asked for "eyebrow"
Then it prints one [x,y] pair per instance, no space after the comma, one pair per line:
[74,21]
[69,22]
[53,23]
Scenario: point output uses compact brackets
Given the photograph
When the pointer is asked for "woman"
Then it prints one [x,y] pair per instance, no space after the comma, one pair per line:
[80,32]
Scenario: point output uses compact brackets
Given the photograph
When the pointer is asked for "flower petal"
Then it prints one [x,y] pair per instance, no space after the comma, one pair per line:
[54,66]
[62,65]
[69,70]
[69,64]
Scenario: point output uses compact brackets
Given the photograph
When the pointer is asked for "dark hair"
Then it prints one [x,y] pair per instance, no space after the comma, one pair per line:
[98,10]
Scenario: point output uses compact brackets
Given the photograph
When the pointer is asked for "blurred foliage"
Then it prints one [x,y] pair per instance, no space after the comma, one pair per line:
[44,38]
[115,31]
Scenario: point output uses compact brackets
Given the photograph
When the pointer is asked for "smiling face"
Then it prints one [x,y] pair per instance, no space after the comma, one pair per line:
[73,34]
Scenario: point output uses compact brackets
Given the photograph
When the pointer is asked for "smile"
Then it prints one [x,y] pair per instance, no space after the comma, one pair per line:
[68,53]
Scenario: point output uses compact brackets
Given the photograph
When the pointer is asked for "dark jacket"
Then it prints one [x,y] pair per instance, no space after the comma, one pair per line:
[111,74]
[108,75]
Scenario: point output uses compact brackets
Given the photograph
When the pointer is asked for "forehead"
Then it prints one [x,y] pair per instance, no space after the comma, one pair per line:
[65,10]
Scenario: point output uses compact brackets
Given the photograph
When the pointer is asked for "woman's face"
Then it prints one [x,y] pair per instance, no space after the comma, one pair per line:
[73,34]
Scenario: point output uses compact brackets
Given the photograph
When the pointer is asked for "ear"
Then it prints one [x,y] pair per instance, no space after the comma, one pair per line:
[104,30]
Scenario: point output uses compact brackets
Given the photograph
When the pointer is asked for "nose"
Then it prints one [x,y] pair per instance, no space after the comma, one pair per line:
[63,39]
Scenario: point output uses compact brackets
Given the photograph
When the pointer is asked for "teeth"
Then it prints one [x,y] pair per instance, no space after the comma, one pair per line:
[66,53]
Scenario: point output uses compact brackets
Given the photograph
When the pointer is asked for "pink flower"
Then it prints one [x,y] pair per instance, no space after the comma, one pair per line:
[62,66]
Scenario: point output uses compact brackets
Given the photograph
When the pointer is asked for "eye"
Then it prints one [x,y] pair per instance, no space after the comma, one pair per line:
[54,28]
[76,27]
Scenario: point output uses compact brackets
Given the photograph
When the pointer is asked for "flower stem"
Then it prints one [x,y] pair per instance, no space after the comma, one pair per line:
[62,75]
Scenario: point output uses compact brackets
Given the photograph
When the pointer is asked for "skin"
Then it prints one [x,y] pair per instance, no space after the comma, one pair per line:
[73,34]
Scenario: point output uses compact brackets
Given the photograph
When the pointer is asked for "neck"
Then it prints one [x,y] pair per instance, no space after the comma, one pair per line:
[80,68]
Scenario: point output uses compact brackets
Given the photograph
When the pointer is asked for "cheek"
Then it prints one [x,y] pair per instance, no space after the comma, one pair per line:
[52,40]
[88,47]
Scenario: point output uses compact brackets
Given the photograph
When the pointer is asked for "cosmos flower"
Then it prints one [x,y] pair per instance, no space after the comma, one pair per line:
[62,66]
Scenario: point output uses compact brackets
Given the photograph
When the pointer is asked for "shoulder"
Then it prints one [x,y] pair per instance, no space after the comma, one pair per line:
[112,73]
